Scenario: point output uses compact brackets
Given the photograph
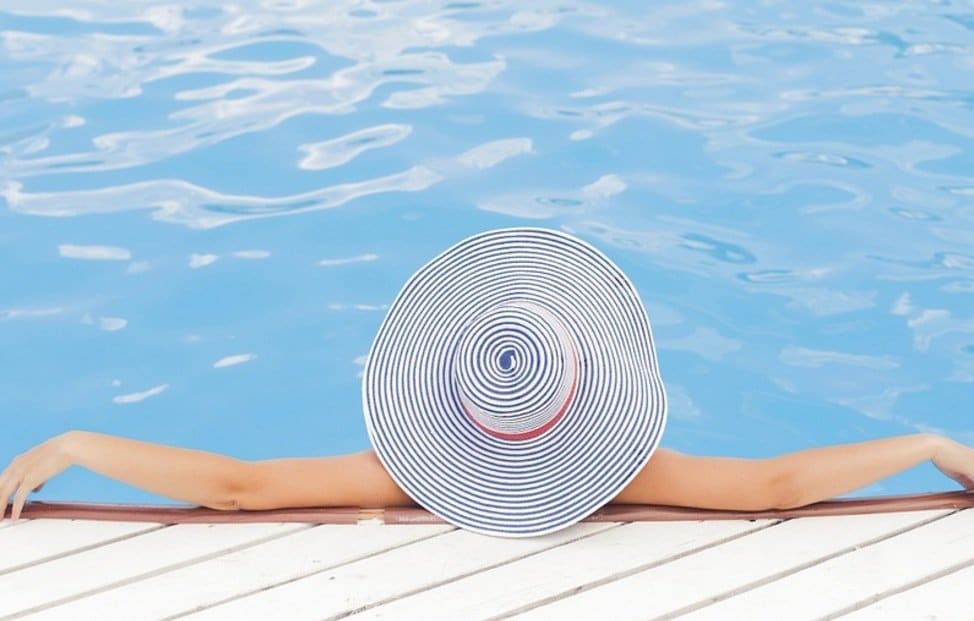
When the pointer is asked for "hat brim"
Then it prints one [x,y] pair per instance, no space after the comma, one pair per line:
[486,484]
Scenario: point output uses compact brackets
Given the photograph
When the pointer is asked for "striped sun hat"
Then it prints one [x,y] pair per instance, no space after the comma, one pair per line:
[513,388]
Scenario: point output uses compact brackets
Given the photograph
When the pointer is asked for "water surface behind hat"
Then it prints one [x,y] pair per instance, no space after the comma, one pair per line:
[206,209]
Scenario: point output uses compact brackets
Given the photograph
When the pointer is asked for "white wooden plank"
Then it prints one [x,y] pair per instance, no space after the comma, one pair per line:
[39,539]
[561,570]
[945,599]
[392,574]
[717,571]
[101,567]
[7,523]
[855,577]
[242,572]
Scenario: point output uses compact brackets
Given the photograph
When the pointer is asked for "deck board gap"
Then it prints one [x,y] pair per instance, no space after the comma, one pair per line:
[267,587]
[624,574]
[713,599]
[946,571]
[387,600]
[161,570]
[84,548]
[6,523]
[479,570]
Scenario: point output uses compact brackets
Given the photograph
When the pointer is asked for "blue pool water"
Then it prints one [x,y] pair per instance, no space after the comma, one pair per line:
[205,209]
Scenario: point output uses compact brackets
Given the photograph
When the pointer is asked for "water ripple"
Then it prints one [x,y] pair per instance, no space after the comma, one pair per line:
[181,202]
[338,151]
[269,104]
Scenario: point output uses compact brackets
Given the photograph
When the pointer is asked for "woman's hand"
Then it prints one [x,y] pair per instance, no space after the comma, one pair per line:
[956,461]
[29,471]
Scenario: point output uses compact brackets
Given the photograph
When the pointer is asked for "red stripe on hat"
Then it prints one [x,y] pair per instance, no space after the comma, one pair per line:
[537,431]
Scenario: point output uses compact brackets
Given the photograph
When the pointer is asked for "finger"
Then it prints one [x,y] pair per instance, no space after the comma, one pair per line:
[19,501]
[7,486]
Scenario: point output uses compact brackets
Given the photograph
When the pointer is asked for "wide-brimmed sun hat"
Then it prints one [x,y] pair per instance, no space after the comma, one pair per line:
[513,387]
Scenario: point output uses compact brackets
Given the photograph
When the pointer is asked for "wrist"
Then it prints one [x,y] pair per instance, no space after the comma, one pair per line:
[69,444]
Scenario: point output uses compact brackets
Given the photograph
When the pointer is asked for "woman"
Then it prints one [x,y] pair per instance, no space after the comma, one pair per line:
[517,370]
[359,479]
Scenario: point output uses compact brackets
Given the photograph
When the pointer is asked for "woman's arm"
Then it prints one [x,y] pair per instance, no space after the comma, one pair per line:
[790,480]
[206,479]
[221,482]
[202,478]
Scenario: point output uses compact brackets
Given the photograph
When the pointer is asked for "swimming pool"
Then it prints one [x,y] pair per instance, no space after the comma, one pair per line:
[206,208]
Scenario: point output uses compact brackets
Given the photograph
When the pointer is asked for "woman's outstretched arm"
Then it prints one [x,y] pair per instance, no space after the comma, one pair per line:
[792,479]
[203,478]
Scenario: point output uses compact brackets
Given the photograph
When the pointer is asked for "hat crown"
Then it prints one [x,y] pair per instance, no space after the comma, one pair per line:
[515,370]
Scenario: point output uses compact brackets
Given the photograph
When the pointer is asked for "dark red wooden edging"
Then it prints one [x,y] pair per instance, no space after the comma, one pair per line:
[169,514]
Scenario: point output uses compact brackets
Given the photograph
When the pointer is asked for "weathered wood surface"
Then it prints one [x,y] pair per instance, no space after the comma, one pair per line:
[894,565]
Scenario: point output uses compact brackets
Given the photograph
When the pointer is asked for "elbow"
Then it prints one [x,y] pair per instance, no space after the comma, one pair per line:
[228,498]
[232,492]
[785,491]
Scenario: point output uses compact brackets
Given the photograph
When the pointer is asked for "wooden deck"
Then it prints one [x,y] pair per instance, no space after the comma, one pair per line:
[891,565]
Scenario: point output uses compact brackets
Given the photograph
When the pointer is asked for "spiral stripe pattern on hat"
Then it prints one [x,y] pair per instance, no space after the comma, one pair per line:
[439,378]
[516,370]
